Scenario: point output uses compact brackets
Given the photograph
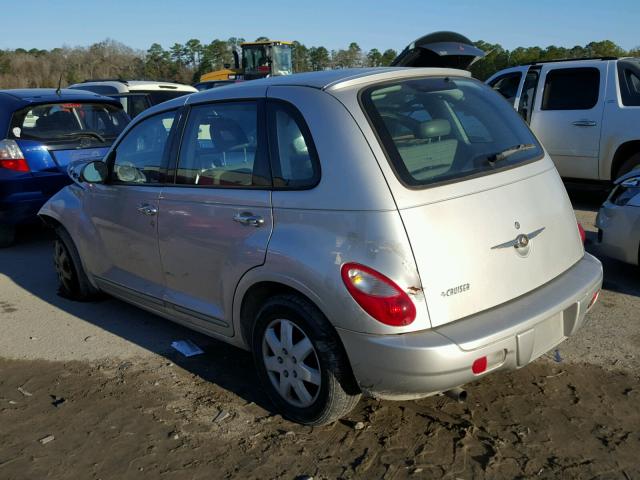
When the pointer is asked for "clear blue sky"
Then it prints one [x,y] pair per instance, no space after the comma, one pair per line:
[331,23]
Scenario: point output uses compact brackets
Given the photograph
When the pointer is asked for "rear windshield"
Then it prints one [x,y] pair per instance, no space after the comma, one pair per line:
[97,123]
[440,129]
[159,96]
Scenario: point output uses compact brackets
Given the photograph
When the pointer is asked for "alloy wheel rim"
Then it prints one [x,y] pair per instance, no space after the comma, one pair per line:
[291,362]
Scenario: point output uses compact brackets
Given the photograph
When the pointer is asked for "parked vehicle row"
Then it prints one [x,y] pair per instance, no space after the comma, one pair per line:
[585,112]
[394,232]
[136,95]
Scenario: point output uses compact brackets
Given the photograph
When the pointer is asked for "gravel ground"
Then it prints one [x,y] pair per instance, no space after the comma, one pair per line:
[95,391]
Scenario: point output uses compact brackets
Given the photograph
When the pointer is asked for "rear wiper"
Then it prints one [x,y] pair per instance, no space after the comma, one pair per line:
[507,152]
[86,133]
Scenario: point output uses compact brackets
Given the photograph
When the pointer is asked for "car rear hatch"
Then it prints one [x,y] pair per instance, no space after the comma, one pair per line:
[485,211]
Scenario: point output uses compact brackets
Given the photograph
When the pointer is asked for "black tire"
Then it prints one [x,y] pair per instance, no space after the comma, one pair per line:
[631,163]
[338,392]
[74,283]
[7,235]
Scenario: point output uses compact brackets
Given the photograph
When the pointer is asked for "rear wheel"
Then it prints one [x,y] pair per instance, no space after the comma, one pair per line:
[7,235]
[631,163]
[74,283]
[301,362]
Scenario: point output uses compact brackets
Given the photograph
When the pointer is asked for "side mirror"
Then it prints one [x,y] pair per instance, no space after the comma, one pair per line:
[94,172]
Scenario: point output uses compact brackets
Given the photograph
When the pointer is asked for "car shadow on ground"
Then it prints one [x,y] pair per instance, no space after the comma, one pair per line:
[29,264]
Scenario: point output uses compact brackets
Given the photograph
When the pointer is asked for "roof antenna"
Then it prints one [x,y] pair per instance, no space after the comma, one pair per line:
[58,92]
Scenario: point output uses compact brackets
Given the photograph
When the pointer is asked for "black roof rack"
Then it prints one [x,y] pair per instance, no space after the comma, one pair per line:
[569,60]
[121,80]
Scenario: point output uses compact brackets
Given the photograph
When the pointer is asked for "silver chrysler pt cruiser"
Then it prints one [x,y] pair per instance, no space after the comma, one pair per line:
[394,232]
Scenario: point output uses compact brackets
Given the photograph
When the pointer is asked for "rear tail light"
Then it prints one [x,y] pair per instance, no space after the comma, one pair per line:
[379,296]
[11,157]
[583,236]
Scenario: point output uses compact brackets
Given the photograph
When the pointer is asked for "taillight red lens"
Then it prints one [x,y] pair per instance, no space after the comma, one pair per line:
[379,296]
[19,165]
[11,157]
[583,236]
[479,365]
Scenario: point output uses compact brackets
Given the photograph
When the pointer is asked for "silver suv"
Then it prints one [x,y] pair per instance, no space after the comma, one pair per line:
[397,232]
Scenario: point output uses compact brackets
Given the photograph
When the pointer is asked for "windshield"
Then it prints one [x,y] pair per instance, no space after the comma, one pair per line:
[439,129]
[281,60]
[69,122]
[255,57]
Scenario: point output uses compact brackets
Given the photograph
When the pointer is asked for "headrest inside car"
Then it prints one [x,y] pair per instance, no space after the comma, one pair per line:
[434,128]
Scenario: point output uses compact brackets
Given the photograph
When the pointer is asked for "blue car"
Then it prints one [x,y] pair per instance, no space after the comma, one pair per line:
[41,132]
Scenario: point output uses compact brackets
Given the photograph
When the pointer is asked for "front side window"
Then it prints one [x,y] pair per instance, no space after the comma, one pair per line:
[571,89]
[507,85]
[221,147]
[467,131]
[295,163]
[70,122]
[140,156]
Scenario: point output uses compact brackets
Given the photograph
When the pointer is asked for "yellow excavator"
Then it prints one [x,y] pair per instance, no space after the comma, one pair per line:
[257,60]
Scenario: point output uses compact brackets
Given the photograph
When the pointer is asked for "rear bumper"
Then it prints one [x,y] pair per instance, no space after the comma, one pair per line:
[419,364]
[21,199]
[619,232]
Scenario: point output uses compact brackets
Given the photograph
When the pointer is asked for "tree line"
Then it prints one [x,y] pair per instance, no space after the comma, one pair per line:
[185,63]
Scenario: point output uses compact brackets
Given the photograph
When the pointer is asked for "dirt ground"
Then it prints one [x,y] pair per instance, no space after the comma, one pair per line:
[158,420]
[94,391]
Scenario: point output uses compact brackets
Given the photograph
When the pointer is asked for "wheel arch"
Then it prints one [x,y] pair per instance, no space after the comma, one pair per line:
[623,152]
[253,291]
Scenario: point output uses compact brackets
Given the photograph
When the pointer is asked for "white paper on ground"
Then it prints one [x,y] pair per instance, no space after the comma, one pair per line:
[187,348]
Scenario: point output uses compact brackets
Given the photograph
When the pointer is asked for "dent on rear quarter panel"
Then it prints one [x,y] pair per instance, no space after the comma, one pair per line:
[310,247]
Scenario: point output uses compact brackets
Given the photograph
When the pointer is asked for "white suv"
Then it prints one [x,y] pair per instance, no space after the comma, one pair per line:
[136,95]
[586,112]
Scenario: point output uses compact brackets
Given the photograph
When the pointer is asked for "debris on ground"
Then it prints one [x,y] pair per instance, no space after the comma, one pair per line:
[24,392]
[187,348]
[47,439]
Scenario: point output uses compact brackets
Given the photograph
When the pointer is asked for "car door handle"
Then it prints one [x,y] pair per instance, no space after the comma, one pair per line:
[146,209]
[248,218]
[585,123]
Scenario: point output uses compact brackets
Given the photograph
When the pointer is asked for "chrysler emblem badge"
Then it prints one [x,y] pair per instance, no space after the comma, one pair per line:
[522,241]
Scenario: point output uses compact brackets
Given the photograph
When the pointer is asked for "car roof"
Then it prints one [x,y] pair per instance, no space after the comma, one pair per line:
[328,79]
[123,86]
[323,80]
[14,99]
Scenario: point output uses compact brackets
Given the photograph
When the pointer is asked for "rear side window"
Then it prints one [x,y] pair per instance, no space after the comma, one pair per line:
[294,159]
[468,131]
[92,123]
[571,89]
[141,154]
[222,146]
[629,78]
[507,85]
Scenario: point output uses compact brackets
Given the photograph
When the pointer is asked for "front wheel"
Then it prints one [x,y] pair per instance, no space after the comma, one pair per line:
[301,362]
[73,282]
